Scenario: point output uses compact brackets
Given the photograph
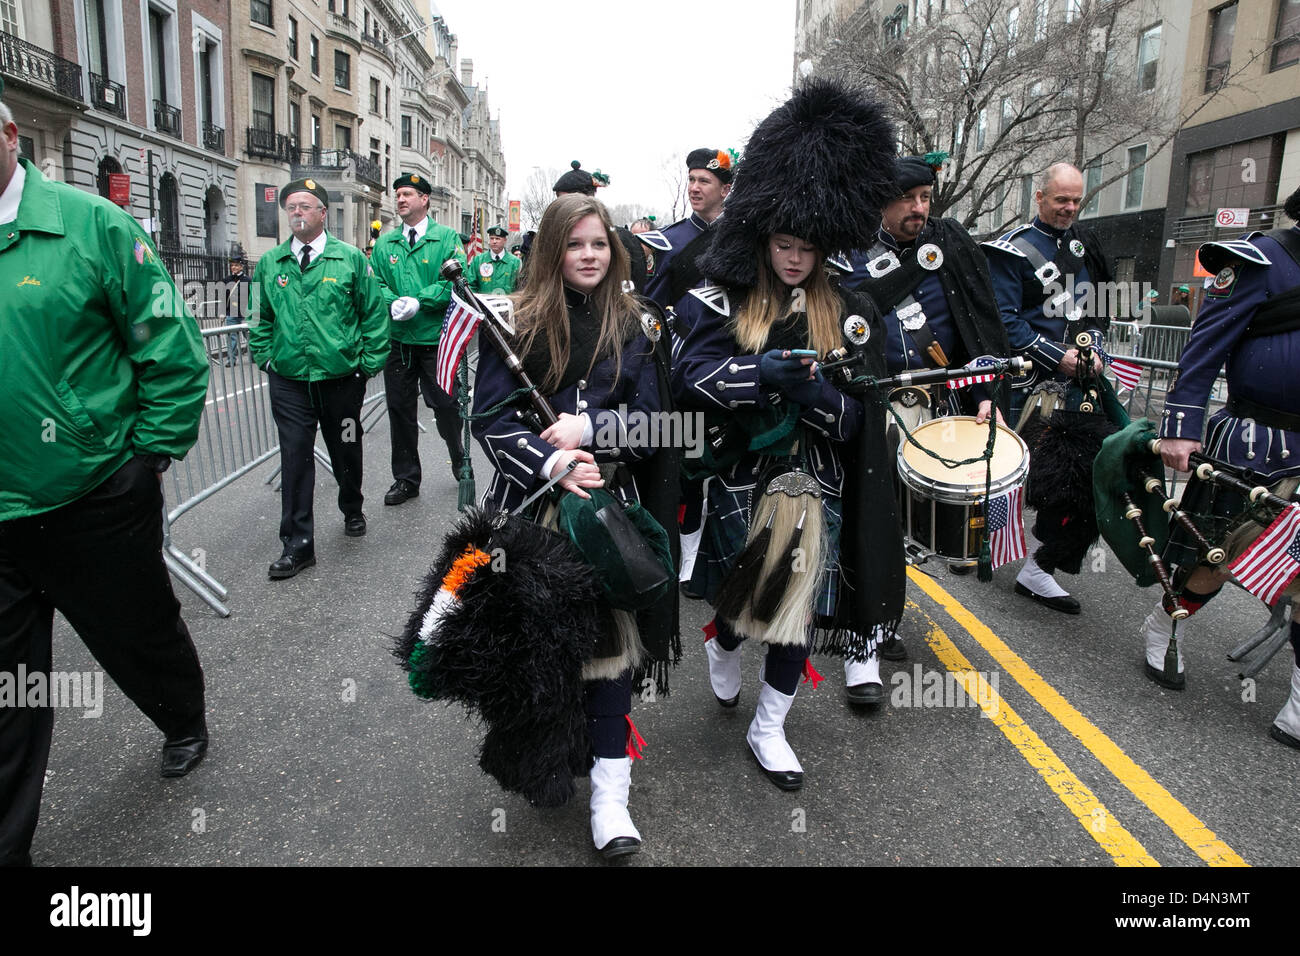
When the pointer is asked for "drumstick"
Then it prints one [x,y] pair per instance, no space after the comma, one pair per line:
[936,353]
[1213,554]
[1134,514]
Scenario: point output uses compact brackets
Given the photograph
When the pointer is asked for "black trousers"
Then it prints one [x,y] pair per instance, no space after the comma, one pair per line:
[412,370]
[99,562]
[297,408]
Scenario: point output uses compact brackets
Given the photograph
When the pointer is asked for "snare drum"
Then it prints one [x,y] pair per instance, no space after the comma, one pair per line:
[941,507]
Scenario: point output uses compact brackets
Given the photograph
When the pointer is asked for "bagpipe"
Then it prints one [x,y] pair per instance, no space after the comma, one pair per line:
[513,612]
[1162,540]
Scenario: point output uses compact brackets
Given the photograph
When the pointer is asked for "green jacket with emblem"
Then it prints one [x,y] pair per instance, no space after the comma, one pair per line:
[324,323]
[503,278]
[403,270]
[100,359]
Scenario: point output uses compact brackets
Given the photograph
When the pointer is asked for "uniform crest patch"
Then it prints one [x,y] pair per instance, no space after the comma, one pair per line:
[392,259]
[1224,281]
[653,327]
[929,256]
[282,280]
[309,183]
[485,270]
[856,330]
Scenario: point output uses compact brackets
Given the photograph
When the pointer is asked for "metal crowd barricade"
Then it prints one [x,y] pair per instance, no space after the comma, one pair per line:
[236,435]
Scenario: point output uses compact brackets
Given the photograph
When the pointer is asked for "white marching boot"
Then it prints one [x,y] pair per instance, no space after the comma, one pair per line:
[1286,728]
[862,681]
[766,738]
[1157,630]
[724,672]
[611,825]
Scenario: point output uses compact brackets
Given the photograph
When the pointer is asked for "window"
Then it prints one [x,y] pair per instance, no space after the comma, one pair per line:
[342,136]
[97,37]
[263,96]
[1091,180]
[388,102]
[1006,114]
[260,12]
[374,95]
[158,49]
[315,131]
[293,39]
[1013,30]
[406,131]
[1040,21]
[981,129]
[1148,57]
[315,56]
[1133,182]
[1286,37]
[11,23]
[374,151]
[342,70]
[1073,10]
[1223,24]
[295,121]
[1026,195]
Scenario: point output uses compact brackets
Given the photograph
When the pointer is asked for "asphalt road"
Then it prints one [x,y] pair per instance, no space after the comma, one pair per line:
[321,755]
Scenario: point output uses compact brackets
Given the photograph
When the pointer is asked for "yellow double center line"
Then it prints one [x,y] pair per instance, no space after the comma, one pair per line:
[1091,813]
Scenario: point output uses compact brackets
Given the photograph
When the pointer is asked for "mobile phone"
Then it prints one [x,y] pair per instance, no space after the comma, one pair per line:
[803,353]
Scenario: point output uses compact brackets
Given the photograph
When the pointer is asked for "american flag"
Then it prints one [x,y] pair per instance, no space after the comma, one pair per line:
[1005,526]
[1272,562]
[475,241]
[970,380]
[457,330]
[1126,373]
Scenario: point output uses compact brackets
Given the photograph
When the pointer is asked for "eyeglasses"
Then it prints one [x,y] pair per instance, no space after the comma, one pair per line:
[302,206]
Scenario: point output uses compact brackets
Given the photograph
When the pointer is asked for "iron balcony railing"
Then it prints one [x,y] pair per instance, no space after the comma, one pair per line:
[324,162]
[1206,228]
[214,138]
[166,118]
[268,144]
[107,96]
[31,64]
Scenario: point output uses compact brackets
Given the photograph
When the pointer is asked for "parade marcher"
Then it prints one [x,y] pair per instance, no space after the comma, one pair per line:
[406,262]
[235,300]
[104,376]
[581,339]
[1246,325]
[319,332]
[578,180]
[709,174]
[929,279]
[494,272]
[823,570]
[1049,276]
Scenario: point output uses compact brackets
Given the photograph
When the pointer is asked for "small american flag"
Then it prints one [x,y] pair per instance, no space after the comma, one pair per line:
[1005,526]
[457,330]
[970,380]
[475,240]
[1272,562]
[1126,373]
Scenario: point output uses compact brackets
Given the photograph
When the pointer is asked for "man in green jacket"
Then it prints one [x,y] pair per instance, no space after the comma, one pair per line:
[318,328]
[407,261]
[494,272]
[104,378]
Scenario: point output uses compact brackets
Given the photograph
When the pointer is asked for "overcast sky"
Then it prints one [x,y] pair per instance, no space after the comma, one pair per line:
[621,85]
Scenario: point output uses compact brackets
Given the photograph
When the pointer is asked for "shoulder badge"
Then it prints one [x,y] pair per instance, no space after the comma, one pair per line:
[929,256]
[1217,255]
[503,308]
[841,262]
[1076,248]
[856,330]
[715,297]
[1223,282]
[652,326]
[1003,246]
[655,240]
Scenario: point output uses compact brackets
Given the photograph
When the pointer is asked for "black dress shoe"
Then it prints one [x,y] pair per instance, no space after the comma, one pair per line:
[866,695]
[287,565]
[1065,604]
[620,846]
[182,754]
[402,490]
[1282,737]
[960,569]
[354,526]
[1158,675]
[728,703]
[782,779]
[893,649]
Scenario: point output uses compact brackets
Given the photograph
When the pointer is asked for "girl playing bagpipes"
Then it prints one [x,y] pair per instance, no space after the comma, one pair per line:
[801,547]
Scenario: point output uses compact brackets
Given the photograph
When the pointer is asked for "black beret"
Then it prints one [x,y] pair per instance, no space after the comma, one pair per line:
[913,171]
[415,182]
[576,180]
[714,161]
[305,186]
[497,231]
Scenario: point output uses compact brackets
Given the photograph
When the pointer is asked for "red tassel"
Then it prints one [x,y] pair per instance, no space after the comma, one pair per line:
[635,742]
[710,631]
[810,673]
[681,513]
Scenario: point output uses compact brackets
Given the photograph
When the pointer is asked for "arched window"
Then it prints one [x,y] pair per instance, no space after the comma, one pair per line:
[106,165]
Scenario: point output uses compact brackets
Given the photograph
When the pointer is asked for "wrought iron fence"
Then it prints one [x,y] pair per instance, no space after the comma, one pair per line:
[107,96]
[32,64]
[167,118]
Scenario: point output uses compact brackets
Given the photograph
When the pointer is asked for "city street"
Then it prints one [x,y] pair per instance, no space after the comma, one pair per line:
[321,755]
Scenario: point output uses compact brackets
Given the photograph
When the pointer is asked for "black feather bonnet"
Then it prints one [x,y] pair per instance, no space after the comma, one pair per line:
[820,167]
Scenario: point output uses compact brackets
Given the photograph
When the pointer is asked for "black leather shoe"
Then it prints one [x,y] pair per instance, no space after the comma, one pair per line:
[402,490]
[1065,604]
[1158,675]
[893,649]
[354,526]
[182,754]
[960,569]
[620,846]
[287,565]
[866,695]
[728,703]
[782,779]
[1282,737]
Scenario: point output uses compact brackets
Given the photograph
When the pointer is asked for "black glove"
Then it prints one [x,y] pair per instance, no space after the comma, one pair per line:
[788,373]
